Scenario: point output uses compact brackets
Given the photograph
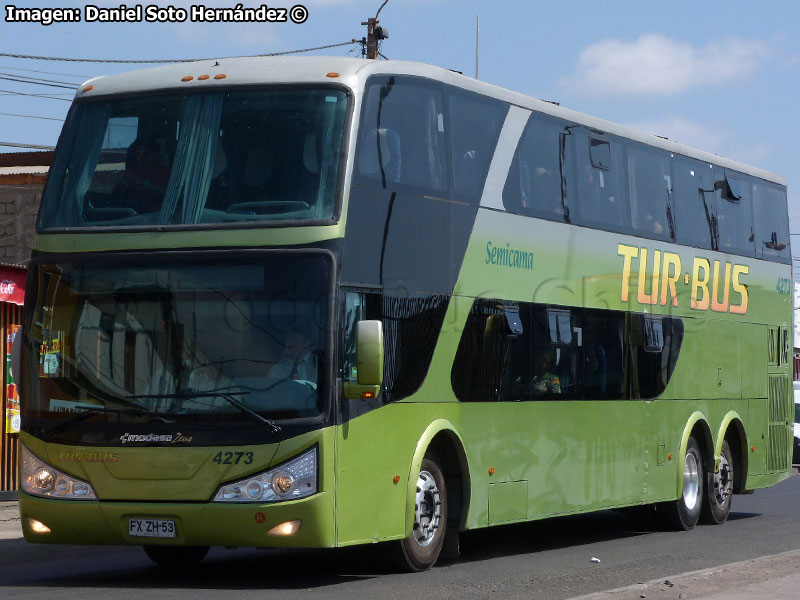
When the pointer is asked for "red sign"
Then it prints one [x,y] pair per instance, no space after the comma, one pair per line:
[260,517]
[12,285]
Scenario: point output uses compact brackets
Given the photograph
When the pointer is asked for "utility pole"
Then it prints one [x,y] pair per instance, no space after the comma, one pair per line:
[375,33]
[477,43]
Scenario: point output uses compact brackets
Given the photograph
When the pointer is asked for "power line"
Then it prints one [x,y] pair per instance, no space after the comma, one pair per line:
[34,146]
[160,61]
[30,116]
[27,78]
[55,85]
[35,95]
[45,72]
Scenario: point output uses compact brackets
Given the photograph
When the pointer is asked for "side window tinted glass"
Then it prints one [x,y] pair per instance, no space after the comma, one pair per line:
[694,203]
[563,353]
[475,124]
[542,167]
[538,360]
[655,342]
[601,182]
[401,141]
[604,355]
[734,212]
[771,221]
[650,183]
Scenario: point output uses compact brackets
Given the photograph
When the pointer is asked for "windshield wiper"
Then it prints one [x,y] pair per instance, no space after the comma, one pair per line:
[274,427]
[92,412]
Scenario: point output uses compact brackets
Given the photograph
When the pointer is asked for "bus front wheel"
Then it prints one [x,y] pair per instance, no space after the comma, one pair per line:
[719,489]
[421,549]
[176,556]
[684,512]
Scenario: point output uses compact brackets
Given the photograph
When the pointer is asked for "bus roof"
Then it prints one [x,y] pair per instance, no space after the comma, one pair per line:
[352,72]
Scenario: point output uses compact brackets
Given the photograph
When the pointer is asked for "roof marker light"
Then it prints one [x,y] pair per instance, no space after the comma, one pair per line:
[332,74]
[88,88]
[187,78]
[202,78]
[220,76]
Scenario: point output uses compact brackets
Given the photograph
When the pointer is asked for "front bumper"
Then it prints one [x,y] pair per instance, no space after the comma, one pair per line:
[197,524]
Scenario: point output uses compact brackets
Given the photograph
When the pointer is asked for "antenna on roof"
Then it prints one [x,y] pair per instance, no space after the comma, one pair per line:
[375,33]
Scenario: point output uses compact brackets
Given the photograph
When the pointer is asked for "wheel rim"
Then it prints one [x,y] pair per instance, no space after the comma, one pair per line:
[428,509]
[723,483]
[691,481]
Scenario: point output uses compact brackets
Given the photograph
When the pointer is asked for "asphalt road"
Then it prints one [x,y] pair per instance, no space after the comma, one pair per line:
[548,560]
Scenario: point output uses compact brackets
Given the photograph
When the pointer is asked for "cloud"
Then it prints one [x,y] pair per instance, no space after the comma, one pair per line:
[657,65]
[703,137]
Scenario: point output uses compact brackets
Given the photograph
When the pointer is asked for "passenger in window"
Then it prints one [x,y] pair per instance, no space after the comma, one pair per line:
[544,382]
[144,181]
[299,362]
[653,224]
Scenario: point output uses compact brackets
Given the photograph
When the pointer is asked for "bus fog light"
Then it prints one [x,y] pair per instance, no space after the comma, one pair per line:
[39,527]
[294,479]
[288,528]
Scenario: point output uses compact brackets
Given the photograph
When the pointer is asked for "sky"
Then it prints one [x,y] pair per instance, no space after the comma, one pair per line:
[719,75]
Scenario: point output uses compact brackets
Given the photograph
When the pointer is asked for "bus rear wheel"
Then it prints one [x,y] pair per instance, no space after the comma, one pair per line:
[719,489]
[176,556]
[684,512]
[421,549]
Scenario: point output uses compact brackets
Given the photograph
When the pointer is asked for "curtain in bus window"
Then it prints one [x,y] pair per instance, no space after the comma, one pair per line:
[771,224]
[87,142]
[411,328]
[695,218]
[194,160]
[650,190]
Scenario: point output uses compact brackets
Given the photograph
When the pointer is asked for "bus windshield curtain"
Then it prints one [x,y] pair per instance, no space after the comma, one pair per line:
[86,143]
[411,328]
[330,160]
[194,159]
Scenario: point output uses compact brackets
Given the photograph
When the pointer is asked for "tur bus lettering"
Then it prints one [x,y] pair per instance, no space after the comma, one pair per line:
[710,285]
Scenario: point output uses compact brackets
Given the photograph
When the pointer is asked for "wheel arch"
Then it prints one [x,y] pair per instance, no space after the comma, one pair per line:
[732,429]
[698,428]
[441,436]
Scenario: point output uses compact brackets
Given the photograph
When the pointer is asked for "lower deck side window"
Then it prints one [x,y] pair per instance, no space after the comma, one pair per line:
[563,353]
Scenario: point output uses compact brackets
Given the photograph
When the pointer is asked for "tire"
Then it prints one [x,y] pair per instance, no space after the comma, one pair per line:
[420,550]
[719,490]
[178,557]
[684,513]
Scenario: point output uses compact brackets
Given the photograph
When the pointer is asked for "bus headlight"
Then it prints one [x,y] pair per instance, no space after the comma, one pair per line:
[296,478]
[40,479]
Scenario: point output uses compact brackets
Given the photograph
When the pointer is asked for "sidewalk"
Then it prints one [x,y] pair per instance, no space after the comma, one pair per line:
[10,527]
[775,577]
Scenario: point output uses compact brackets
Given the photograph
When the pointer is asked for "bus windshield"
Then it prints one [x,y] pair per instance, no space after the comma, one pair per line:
[174,342]
[187,159]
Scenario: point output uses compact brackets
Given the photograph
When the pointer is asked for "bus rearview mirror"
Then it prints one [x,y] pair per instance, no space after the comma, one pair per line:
[369,352]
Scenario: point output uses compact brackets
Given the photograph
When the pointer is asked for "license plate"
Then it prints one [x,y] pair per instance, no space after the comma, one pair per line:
[157,528]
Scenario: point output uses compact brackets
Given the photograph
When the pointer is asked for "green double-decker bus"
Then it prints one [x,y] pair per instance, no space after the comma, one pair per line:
[320,302]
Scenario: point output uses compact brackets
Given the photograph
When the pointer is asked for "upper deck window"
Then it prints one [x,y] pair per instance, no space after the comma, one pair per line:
[228,157]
